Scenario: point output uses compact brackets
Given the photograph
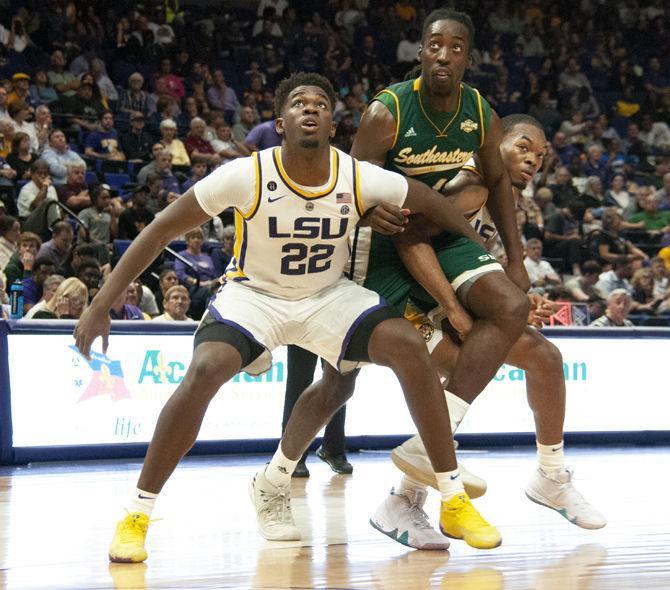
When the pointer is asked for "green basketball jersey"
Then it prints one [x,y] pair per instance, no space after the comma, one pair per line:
[429,145]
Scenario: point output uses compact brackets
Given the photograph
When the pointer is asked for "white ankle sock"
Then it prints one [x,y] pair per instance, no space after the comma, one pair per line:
[550,457]
[457,409]
[142,501]
[280,469]
[450,484]
[407,484]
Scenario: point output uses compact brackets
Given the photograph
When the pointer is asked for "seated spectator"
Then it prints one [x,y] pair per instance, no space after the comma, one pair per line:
[544,110]
[90,273]
[594,164]
[198,172]
[143,298]
[77,255]
[136,142]
[162,168]
[544,201]
[20,159]
[74,194]
[43,125]
[102,80]
[19,112]
[617,278]
[102,219]
[644,299]
[48,290]
[263,136]
[150,168]
[20,265]
[61,80]
[10,233]
[162,103]
[122,310]
[41,91]
[581,287]
[33,285]
[68,302]
[189,111]
[198,146]
[527,229]
[562,189]
[609,246]
[21,90]
[593,196]
[616,314]
[584,101]
[7,172]
[176,303]
[654,222]
[540,272]
[562,237]
[57,249]
[84,109]
[59,156]
[103,144]
[246,124]
[134,99]
[226,145]
[175,146]
[663,194]
[37,191]
[661,279]
[6,137]
[199,276]
[174,85]
[566,152]
[617,196]
[575,128]
[136,216]
[655,135]
[222,97]
[166,279]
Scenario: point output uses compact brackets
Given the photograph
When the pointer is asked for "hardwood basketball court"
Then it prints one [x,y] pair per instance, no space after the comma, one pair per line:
[56,521]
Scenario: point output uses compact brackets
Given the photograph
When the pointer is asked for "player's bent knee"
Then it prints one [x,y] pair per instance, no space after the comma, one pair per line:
[208,372]
[540,353]
[396,341]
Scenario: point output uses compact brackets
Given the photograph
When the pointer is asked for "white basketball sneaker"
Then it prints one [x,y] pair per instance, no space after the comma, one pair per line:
[273,509]
[555,491]
[412,459]
[401,517]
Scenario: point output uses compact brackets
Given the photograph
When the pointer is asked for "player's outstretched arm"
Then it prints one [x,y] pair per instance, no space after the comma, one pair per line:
[501,203]
[179,217]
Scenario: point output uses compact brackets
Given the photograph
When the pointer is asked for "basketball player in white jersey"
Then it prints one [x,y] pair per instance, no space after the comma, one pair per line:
[294,209]
[400,516]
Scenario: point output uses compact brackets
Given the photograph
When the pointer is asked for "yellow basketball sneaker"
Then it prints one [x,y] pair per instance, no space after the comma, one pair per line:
[128,542]
[459,519]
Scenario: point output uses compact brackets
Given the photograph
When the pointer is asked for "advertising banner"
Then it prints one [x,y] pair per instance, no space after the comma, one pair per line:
[60,398]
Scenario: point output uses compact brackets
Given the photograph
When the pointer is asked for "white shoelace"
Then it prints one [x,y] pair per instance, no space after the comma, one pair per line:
[277,505]
[416,512]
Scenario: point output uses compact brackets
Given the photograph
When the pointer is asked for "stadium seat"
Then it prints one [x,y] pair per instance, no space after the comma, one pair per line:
[91,177]
[116,181]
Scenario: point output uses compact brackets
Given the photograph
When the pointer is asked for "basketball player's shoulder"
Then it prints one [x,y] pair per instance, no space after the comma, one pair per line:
[393,96]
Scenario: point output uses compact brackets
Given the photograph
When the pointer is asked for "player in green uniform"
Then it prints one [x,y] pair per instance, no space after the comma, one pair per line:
[399,516]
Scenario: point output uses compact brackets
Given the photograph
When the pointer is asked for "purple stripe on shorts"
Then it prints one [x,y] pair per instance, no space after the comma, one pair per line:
[354,325]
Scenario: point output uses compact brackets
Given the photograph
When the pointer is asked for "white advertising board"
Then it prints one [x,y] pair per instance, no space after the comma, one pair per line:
[60,398]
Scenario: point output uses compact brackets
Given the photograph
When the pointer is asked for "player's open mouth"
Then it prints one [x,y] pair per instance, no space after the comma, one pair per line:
[442,73]
[527,176]
[310,124]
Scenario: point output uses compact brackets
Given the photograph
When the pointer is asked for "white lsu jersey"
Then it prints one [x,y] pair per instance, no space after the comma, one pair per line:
[480,219]
[292,241]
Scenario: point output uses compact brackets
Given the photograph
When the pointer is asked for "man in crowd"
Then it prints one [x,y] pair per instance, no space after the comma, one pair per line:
[59,156]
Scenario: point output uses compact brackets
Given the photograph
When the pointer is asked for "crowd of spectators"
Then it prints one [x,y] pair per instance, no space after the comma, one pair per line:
[113,109]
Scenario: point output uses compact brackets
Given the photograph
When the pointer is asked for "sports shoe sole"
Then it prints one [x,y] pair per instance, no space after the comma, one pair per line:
[403,539]
[428,479]
[462,539]
[564,514]
[265,535]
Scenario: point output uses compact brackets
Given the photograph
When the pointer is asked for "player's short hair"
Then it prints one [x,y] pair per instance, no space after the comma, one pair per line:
[450,14]
[511,121]
[289,84]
